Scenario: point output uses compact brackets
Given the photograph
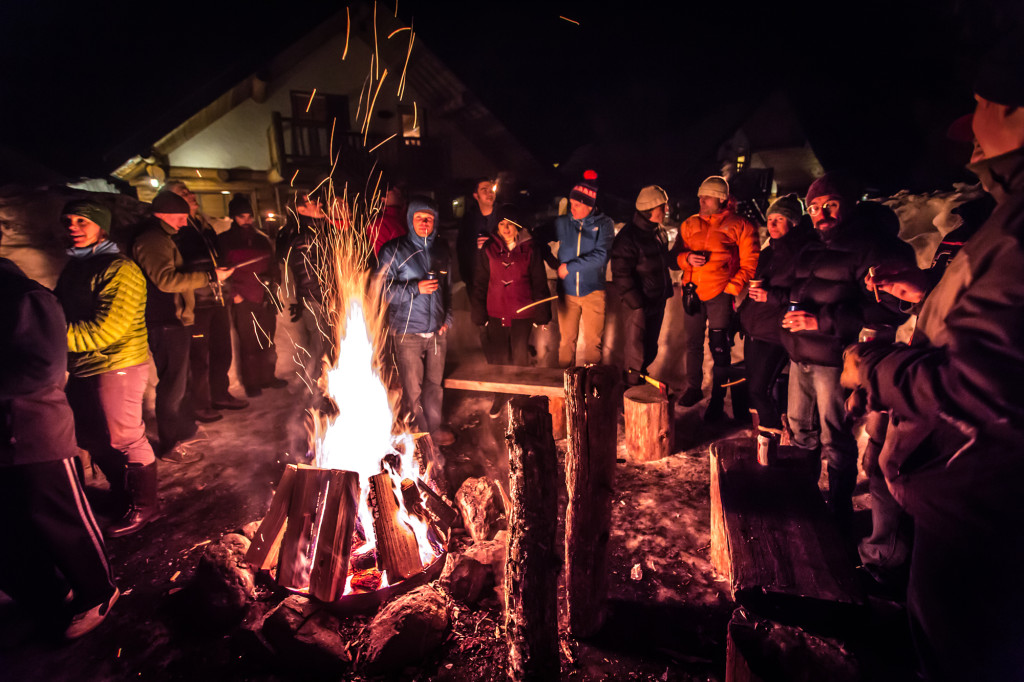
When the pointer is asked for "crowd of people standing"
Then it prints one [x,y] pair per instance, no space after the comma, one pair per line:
[819,300]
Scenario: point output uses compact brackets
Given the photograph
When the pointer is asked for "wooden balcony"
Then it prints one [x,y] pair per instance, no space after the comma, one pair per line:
[304,147]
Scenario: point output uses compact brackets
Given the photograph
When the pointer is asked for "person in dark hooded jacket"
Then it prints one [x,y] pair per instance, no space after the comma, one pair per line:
[509,276]
[760,314]
[417,287]
[640,264]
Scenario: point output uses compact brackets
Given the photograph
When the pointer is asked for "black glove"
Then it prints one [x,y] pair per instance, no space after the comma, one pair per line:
[295,310]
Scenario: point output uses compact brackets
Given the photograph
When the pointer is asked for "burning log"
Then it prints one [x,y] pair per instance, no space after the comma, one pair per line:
[590,473]
[430,462]
[266,543]
[334,539]
[397,551]
[649,433]
[531,621]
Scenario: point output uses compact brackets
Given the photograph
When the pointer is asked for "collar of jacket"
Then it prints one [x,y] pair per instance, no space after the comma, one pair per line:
[588,219]
[716,219]
[643,223]
[167,228]
[1001,175]
[97,249]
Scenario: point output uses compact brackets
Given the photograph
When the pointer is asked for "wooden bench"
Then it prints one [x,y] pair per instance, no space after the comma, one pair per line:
[546,381]
[774,540]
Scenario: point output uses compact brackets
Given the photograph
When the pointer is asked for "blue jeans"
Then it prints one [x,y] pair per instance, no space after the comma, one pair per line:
[420,363]
[817,386]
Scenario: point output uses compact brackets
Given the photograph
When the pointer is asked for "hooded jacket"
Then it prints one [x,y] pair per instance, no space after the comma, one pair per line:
[777,267]
[403,263]
[829,283]
[244,244]
[953,454]
[732,241]
[506,279]
[36,424]
[104,299]
[640,264]
[583,247]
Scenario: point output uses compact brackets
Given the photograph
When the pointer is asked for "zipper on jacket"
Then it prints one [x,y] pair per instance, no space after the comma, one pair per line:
[579,245]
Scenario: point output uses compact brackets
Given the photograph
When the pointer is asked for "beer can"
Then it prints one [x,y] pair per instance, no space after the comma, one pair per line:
[794,306]
[765,449]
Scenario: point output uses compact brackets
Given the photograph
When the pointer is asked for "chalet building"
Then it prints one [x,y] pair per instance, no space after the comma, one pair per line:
[361,100]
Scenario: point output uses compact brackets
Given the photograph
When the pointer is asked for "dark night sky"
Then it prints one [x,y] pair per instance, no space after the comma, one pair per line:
[875,83]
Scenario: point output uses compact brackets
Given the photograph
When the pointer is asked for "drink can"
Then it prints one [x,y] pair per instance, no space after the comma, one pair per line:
[867,334]
[432,274]
[766,449]
[756,283]
[794,306]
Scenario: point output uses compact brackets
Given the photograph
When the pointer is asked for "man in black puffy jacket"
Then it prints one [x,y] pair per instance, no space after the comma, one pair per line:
[640,263]
[830,304]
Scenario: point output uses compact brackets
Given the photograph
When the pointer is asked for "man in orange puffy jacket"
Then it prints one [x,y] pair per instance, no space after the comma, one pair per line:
[717,251]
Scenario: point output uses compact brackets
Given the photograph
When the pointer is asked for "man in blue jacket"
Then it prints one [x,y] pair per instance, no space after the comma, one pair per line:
[417,288]
[584,240]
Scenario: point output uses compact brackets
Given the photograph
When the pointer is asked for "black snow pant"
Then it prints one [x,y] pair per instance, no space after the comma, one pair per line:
[642,328]
[764,362]
[48,528]
[256,325]
[210,356]
[170,345]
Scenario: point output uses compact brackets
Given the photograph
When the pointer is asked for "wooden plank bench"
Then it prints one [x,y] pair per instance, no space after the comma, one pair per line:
[546,381]
[773,539]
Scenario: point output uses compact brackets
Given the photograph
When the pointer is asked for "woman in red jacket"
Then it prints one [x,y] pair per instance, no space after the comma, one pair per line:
[509,275]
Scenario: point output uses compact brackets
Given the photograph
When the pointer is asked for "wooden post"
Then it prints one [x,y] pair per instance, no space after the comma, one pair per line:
[334,540]
[589,471]
[649,432]
[397,550]
[531,577]
[266,543]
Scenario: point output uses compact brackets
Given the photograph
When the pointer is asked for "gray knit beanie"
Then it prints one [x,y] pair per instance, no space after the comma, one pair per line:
[789,207]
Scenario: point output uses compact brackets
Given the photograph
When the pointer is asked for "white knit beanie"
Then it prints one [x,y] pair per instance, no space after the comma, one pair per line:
[650,197]
[714,186]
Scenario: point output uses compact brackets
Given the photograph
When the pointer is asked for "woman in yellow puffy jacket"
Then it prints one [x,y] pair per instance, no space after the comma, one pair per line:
[717,251]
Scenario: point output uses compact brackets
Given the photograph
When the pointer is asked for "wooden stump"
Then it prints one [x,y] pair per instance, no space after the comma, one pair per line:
[589,471]
[556,407]
[266,543]
[649,432]
[531,576]
[334,540]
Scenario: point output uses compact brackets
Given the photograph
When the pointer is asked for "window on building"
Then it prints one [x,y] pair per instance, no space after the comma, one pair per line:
[413,124]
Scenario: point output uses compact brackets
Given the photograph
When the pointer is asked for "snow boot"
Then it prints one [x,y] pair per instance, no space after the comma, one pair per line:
[140,484]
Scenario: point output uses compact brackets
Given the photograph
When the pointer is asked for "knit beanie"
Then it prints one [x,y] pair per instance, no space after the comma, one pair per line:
[169,202]
[789,207]
[585,190]
[715,186]
[510,213]
[89,209]
[238,205]
[835,183]
[650,197]
[1000,76]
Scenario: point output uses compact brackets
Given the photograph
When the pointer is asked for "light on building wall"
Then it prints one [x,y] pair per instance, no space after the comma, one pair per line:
[224,191]
[154,182]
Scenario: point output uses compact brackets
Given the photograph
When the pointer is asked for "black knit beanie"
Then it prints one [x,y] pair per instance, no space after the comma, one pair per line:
[169,202]
[585,191]
[835,183]
[92,210]
[789,207]
[238,205]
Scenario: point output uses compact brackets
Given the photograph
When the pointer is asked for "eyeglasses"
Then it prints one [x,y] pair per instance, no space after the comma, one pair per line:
[829,206]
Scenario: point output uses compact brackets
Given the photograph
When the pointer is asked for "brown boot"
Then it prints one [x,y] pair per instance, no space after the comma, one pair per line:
[140,484]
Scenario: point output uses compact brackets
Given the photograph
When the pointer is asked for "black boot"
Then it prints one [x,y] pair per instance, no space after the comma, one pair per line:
[140,484]
[840,496]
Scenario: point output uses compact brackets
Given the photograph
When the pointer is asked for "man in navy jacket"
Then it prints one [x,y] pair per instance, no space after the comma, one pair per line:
[417,288]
